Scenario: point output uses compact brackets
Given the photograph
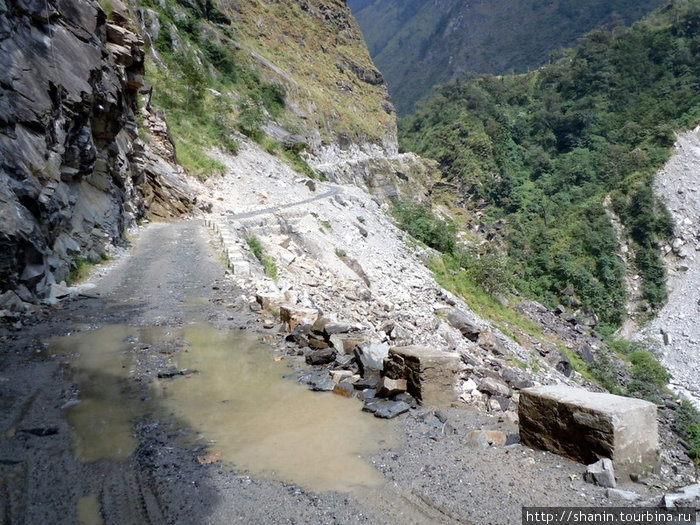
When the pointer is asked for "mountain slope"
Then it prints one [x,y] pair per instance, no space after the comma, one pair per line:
[121,96]
[537,154]
[419,44]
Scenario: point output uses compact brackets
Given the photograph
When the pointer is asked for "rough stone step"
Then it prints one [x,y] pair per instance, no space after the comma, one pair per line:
[431,374]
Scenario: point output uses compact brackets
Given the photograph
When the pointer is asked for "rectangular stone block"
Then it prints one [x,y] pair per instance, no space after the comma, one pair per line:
[294,316]
[430,374]
[587,426]
[269,301]
[239,267]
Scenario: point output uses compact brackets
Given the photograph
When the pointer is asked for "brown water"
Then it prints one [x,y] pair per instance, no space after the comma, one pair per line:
[88,511]
[239,403]
[102,421]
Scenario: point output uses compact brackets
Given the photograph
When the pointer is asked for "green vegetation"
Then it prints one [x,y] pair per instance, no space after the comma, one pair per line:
[419,44]
[688,426]
[81,267]
[420,222]
[542,151]
[451,276]
[194,85]
[268,262]
[317,57]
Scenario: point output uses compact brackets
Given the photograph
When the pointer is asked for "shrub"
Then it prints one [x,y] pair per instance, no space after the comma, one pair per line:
[688,427]
[420,223]
[268,262]
[648,376]
[491,270]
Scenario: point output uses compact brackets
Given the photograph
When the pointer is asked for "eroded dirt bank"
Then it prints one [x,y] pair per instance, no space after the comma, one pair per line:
[174,277]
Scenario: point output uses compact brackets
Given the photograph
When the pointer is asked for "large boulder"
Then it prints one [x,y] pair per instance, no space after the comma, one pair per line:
[370,357]
[430,374]
[589,426]
[462,322]
[293,316]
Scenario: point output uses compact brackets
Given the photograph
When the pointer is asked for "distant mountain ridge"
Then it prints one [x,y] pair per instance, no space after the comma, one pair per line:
[418,44]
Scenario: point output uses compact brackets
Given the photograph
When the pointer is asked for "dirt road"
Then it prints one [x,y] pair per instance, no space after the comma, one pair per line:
[173,276]
[157,468]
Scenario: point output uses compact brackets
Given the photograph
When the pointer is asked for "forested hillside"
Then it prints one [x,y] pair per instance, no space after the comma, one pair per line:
[418,44]
[538,153]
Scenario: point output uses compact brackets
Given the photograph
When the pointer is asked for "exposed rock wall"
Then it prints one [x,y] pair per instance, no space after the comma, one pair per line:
[389,177]
[72,170]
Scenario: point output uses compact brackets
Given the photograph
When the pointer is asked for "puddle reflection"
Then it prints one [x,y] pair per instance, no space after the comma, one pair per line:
[238,402]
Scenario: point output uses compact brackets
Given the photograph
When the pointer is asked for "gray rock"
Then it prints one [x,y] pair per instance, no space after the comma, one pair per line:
[293,316]
[406,398]
[319,325]
[386,409]
[601,473]
[441,415]
[563,364]
[344,361]
[370,357]
[389,387]
[370,382]
[74,173]
[493,343]
[503,402]
[464,324]
[494,387]
[318,381]
[318,343]
[585,351]
[367,394]
[320,357]
[485,438]
[337,328]
[395,409]
[323,385]
[431,375]
[589,425]
[344,388]
[625,495]
[11,302]
[686,497]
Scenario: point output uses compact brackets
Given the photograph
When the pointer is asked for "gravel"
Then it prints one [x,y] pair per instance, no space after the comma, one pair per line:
[678,183]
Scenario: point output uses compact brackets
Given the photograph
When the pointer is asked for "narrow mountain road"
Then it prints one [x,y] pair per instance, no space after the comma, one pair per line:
[171,278]
[274,209]
[89,432]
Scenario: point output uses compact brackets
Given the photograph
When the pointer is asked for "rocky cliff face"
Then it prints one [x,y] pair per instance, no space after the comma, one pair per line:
[73,173]
[337,100]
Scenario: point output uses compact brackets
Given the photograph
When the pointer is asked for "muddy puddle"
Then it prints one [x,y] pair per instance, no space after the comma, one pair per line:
[238,404]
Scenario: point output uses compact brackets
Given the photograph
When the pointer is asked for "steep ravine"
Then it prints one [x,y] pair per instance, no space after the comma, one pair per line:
[675,331]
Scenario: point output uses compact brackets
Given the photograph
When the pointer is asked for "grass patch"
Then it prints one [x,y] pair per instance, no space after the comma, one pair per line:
[460,282]
[81,268]
[688,427]
[420,223]
[268,262]
[195,160]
